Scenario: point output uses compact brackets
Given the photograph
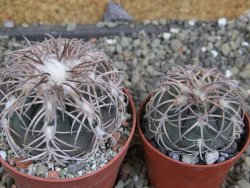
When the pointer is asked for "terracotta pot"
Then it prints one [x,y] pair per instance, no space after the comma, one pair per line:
[164,172]
[102,178]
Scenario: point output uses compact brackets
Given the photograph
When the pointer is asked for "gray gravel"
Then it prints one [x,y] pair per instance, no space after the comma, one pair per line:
[145,57]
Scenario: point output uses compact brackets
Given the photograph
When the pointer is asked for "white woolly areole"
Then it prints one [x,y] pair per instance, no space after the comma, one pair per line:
[49,132]
[48,105]
[92,76]
[203,96]
[114,91]
[10,102]
[200,142]
[87,107]
[184,88]
[181,100]
[99,132]
[56,69]
[235,121]
[199,94]
[224,103]
[200,122]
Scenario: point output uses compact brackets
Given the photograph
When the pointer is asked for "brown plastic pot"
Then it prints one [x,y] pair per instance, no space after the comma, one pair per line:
[102,178]
[164,172]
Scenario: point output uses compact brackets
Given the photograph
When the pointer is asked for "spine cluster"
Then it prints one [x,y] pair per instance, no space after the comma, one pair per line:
[195,111]
[59,100]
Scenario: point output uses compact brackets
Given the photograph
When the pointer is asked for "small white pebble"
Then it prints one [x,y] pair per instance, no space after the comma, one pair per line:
[192,22]
[111,41]
[80,173]
[50,165]
[222,22]
[228,73]
[214,53]
[70,176]
[93,167]
[240,51]
[211,157]
[203,49]
[58,169]
[3,154]
[190,159]
[31,169]
[101,165]
[245,44]
[174,30]
[166,36]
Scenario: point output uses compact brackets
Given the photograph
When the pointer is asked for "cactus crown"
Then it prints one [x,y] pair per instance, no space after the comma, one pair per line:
[59,100]
[195,110]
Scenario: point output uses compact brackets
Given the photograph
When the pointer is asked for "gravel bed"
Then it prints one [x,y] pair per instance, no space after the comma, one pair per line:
[144,57]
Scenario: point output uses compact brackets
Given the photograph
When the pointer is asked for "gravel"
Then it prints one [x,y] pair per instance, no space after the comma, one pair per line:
[211,157]
[190,159]
[175,45]
[145,57]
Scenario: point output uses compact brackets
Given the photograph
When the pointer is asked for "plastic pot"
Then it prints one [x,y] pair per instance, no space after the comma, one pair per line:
[102,178]
[164,172]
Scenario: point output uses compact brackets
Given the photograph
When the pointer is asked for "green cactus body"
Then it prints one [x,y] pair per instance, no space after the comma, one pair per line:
[195,110]
[60,99]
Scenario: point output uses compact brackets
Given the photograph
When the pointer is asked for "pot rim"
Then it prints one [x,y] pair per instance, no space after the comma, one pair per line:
[125,146]
[164,157]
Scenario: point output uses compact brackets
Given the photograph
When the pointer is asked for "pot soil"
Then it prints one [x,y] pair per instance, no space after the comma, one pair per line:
[103,177]
[165,172]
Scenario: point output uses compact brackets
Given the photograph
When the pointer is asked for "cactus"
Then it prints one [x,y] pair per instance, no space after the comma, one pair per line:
[60,100]
[195,110]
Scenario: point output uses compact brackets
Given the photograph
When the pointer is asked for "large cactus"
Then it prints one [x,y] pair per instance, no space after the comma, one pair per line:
[195,110]
[59,100]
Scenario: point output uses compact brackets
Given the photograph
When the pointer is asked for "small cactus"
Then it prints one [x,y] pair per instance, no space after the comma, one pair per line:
[195,110]
[59,100]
